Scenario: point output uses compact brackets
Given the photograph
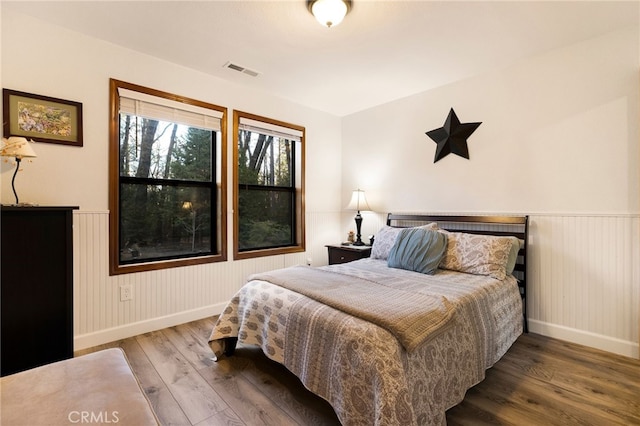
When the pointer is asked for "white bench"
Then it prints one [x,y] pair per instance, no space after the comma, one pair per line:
[98,388]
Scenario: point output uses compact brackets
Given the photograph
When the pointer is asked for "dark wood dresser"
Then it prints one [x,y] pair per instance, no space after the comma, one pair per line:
[37,286]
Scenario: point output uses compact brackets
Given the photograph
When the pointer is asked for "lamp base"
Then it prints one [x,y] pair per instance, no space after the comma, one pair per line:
[13,180]
[358,241]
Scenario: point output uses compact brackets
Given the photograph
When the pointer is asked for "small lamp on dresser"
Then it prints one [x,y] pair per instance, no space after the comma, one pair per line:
[18,148]
[359,203]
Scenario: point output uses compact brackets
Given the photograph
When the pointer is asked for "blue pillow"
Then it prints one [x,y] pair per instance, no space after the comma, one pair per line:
[418,249]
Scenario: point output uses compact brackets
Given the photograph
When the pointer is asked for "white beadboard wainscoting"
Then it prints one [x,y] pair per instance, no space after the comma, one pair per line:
[165,297]
[583,280]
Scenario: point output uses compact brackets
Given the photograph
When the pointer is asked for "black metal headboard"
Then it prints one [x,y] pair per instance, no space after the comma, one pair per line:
[517,226]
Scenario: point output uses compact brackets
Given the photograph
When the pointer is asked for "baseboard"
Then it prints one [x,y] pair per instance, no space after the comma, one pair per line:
[89,340]
[593,340]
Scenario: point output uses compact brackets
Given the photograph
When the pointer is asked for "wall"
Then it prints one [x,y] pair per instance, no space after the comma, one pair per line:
[48,60]
[558,141]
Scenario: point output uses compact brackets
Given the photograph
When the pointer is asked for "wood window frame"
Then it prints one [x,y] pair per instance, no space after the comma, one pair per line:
[299,245]
[115,267]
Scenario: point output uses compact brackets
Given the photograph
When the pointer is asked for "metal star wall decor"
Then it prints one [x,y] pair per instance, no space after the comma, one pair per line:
[452,137]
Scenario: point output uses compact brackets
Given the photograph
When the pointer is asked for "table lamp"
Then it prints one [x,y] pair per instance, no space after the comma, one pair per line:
[18,148]
[358,202]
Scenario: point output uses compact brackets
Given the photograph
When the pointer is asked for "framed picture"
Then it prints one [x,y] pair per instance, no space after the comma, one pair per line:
[41,118]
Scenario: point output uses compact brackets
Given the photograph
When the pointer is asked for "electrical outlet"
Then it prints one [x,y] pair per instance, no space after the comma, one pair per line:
[309,261]
[125,292]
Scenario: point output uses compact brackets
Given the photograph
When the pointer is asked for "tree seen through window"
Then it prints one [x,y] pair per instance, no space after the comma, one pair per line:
[165,189]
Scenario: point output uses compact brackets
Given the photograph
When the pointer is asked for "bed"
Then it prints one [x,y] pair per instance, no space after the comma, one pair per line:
[399,344]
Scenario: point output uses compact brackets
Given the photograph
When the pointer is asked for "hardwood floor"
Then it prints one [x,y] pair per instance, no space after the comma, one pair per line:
[540,381]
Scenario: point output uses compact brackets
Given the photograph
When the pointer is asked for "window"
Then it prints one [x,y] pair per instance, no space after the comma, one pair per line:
[268,186]
[167,166]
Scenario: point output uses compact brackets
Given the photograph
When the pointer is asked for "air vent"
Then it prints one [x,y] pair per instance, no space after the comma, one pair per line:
[241,69]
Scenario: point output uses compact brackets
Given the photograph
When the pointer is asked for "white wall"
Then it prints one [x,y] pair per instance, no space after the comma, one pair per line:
[43,59]
[558,133]
[559,141]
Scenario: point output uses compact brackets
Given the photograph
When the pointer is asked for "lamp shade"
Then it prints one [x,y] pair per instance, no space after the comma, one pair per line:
[358,201]
[17,147]
[329,12]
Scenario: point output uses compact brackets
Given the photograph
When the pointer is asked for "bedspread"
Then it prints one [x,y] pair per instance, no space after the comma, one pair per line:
[362,369]
[410,316]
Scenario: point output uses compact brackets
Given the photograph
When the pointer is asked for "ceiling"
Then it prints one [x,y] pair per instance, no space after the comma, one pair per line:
[383,50]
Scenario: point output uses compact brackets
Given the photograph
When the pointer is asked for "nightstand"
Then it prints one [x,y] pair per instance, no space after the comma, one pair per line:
[342,254]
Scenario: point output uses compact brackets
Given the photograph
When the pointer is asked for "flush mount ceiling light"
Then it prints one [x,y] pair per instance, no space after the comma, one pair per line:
[329,12]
